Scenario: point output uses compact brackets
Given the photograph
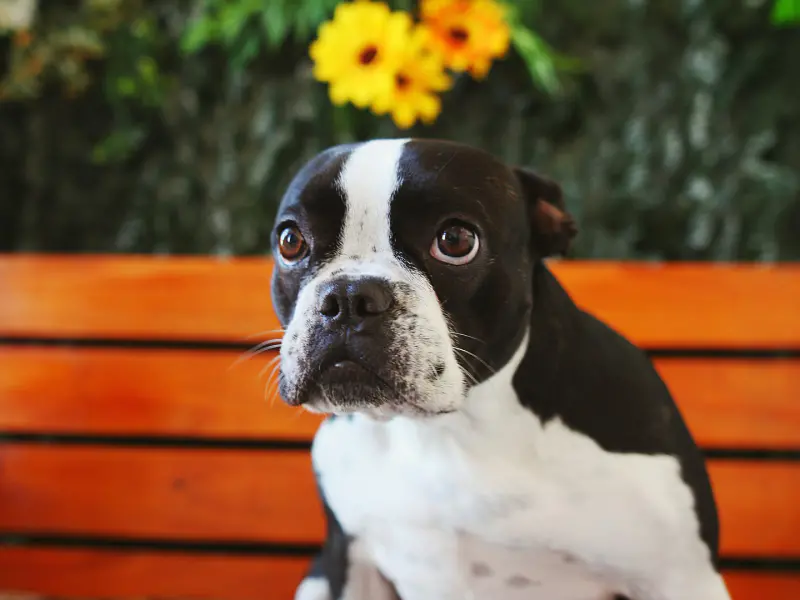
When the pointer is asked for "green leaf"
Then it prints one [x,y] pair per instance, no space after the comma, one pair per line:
[198,34]
[537,58]
[786,12]
[232,19]
[274,19]
[118,145]
[246,51]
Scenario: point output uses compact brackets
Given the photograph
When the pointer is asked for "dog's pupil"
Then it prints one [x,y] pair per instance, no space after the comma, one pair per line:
[456,241]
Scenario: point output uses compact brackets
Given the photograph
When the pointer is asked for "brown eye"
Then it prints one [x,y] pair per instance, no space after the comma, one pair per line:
[291,244]
[455,244]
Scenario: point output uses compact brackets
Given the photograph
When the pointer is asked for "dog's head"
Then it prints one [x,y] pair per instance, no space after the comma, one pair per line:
[403,273]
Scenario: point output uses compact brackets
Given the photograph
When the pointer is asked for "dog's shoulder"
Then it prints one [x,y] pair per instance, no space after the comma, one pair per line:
[587,375]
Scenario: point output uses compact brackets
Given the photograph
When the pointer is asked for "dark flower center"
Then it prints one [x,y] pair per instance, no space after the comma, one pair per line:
[368,55]
[459,34]
[402,81]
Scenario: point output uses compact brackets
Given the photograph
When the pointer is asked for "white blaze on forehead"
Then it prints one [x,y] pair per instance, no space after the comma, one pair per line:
[368,181]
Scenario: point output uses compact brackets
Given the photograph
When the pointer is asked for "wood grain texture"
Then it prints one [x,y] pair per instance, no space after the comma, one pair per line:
[78,574]
[729,403]
[82,574]
[149,493]
[145,392]
[269,496]
[758,507]
[665,305]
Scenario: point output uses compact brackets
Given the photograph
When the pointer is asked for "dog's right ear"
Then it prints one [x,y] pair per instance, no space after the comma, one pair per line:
[552,228]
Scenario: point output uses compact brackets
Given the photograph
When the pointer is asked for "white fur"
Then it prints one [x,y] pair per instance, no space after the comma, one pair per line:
[313,588]
[368,181]
[488,502]
[429,499]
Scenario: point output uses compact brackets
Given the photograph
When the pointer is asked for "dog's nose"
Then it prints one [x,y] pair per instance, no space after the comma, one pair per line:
[355,302]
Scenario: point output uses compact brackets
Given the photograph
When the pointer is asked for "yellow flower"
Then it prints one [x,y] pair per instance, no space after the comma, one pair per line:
[468,33]
[359,51]
[419,77]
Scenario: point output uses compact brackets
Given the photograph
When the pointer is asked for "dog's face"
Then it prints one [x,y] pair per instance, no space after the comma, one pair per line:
[403,274]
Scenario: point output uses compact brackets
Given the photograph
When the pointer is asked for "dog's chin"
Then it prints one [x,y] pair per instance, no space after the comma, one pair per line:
[348,387]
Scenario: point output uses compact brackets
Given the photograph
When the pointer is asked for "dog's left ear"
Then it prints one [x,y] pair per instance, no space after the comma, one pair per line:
[552,228]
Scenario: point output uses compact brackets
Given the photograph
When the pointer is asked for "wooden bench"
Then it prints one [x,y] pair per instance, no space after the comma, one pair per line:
[139,459]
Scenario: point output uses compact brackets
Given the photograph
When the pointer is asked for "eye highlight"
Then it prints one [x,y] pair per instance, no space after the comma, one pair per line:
[455,244]
[291,244]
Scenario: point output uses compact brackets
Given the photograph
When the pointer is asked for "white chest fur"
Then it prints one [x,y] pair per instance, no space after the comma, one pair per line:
[491,503]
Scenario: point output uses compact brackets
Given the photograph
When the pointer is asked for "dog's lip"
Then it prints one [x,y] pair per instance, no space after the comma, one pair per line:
[341,367]
[346,363]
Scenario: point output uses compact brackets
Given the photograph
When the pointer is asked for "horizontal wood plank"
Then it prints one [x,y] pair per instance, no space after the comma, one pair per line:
[758,507]
[82,574]
[663,305]
[190,494]
[141,392]
[737,403]
[744,585]
[727,403]
[79,573]
[270,496]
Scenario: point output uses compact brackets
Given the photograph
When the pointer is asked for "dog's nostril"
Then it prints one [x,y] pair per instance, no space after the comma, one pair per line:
[348,302]
[371,298]
[330,306]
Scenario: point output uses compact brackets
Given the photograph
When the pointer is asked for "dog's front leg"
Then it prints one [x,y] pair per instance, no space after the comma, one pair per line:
[342,571]
[358,580]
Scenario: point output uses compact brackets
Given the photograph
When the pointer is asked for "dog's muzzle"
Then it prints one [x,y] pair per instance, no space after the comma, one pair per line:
[349,346]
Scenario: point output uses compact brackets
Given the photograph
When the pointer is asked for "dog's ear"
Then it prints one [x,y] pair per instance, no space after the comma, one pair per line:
[552,228]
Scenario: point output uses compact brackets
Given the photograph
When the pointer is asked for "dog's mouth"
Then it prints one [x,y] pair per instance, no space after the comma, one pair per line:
[343,381]
[347,372]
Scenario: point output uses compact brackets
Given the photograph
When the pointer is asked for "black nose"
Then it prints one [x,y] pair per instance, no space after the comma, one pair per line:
[355,302]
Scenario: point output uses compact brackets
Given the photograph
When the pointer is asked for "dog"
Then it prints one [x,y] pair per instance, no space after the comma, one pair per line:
[486,437]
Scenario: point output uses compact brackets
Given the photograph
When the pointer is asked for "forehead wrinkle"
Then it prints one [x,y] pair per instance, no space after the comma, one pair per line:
[368,181]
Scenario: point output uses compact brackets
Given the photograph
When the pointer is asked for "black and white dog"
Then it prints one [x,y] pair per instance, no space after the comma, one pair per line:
[489,439]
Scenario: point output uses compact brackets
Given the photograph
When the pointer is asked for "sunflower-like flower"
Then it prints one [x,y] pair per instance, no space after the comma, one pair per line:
[418,79]
[359,51]
[469,34]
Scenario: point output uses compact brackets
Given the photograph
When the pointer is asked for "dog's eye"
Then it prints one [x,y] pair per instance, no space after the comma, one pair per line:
[455,244]
[291,244]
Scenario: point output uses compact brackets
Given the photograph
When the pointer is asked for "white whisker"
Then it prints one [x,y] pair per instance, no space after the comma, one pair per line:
[267,332]
[464,335]
[478,358]
[261,348]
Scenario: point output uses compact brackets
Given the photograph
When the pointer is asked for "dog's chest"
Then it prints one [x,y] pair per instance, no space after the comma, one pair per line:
[439,517]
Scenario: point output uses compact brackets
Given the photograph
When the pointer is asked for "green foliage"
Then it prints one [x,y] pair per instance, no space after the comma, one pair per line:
[676,142]
[786,12]
[246,27]
[542,61]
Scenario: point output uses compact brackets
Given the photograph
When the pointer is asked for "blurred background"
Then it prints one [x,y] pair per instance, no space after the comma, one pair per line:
[173,126]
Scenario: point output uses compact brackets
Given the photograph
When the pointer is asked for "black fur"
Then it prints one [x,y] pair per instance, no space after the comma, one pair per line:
[576,368]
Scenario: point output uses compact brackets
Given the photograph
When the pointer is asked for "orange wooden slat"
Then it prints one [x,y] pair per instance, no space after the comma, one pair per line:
[730,403]
[270,496]
[744,585]
[737,403]
[145,392]
[84,574]
[182,493]
[670,305]
[691,304]
[136,297]
[79,573]
[759,507]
